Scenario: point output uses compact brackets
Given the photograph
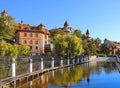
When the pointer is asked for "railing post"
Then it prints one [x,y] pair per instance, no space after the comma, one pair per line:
[78,60]
[68,61]
[13,70]
[82,59]
[52,62]
[41,64]
[61,62]
[88,57]
[85,58]
[30,65]
[73,60]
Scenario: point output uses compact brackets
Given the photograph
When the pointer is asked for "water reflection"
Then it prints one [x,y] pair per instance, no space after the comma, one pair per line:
[72,75]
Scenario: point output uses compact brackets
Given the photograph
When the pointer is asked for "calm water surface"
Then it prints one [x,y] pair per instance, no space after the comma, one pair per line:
[89,75]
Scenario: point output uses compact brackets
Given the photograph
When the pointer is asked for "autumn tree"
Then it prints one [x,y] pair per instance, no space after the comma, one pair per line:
[60,44]
[89,47]
[55,32]
[8,27]
[7,49]
[75,47]
[24,50]
[67,45]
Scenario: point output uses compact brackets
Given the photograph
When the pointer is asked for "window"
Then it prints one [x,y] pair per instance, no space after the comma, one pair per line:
[31,35]
[36,34]
[45,42]
[36,47]
[31,42]
[25,41]
[25,34]
[36,54]
[36,42]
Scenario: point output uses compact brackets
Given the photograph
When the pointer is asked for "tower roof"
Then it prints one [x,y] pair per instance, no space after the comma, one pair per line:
[42,25]
[66,23]
[87,32]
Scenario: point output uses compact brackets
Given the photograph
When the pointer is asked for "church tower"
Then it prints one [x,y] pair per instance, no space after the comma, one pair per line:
[87,35]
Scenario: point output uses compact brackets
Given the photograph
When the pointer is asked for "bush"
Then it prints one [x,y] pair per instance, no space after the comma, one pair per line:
[102,55]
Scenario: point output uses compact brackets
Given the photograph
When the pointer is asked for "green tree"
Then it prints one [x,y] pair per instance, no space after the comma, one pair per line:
[89,47]
[60,44]
[14,52]
[92,48]
[7,49]
[3,48]
[24,50]
[98,44]
[56,31]
[78,33]
[67,45]
[74,46]
[98,40]
[8,27]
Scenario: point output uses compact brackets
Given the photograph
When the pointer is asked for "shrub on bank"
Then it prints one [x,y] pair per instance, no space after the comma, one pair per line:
[102,55]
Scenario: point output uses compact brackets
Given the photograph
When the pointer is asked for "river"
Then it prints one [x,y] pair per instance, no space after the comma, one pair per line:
[88,75]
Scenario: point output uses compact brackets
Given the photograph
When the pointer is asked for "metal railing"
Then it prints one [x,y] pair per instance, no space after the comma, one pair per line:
[25,65]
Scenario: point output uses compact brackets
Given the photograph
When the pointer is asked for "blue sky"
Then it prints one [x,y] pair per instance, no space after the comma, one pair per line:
[101,17]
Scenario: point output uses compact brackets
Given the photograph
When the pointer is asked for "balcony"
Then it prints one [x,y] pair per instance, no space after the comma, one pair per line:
[48,47]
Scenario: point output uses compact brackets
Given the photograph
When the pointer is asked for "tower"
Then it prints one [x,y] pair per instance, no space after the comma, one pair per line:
[66,24]
[41,26]
[4,13]
[87,35]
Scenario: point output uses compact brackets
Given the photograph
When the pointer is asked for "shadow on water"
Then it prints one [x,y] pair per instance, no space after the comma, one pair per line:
[76,75]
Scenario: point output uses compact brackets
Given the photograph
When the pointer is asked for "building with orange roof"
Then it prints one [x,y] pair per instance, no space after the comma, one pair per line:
[36,37]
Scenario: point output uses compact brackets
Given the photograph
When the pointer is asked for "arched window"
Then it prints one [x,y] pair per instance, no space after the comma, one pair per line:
[36,47]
